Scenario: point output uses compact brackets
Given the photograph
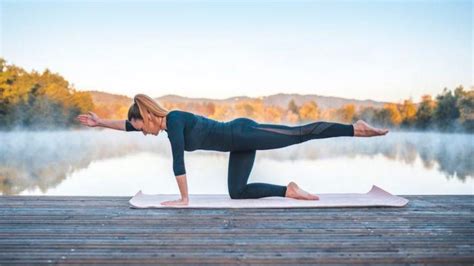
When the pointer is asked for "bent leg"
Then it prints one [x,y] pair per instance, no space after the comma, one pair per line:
[240,166]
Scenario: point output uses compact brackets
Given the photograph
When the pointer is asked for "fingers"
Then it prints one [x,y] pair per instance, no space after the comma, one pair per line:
[174,203]
[83,116]
[83,119]
[93,115]
[84,122]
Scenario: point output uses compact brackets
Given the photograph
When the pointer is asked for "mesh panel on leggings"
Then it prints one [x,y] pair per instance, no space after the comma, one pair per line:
[294,131]
[315,128]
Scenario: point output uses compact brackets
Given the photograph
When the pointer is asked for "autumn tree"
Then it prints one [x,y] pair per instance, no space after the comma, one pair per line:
[273,114]
[408,113]
[38,100]
[309,111]
[346,113]
[210,108]
[394,116]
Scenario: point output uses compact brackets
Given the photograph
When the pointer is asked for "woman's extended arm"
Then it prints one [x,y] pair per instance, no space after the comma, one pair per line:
[113,124]
[93,120]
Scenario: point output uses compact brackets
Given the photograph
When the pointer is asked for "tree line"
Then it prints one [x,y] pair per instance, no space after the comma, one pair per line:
[46,100]
[38,100]
[448,111]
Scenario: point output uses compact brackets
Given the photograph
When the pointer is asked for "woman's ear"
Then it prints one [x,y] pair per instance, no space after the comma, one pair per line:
[152,117]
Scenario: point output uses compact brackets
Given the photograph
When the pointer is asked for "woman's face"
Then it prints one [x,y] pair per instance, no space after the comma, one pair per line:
[153,125]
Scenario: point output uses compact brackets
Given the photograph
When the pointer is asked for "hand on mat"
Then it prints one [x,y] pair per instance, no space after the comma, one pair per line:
[179,202]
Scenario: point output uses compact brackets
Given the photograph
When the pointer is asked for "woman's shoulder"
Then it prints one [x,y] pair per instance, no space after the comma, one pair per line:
[184,118]
[179,113]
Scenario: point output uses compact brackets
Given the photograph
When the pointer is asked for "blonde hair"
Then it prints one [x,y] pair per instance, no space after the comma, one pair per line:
[144,105]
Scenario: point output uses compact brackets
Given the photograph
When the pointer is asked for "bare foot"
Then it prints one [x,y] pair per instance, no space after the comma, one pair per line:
[362,129]
[295,192]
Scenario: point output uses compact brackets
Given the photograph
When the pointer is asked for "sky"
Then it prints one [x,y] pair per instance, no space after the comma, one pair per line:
[380,50]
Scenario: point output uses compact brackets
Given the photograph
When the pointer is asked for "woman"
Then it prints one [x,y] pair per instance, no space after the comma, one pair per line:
[242,137]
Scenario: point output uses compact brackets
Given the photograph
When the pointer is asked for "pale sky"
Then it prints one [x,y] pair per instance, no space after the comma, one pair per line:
[381,50]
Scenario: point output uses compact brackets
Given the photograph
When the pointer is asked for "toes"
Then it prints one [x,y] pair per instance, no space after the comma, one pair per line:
[314,197]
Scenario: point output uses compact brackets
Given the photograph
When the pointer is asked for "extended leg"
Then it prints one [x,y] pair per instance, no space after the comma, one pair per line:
[323,129]
[240,166]
[271,136]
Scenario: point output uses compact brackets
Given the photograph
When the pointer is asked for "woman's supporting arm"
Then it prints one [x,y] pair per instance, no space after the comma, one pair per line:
[183,190]
[176,136]
[183,186]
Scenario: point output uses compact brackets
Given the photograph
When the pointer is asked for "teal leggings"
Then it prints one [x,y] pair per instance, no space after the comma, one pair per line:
[249,136]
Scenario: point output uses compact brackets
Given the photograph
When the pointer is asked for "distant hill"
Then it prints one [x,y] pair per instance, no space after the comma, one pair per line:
[104,98]
[323,102]
[280,100]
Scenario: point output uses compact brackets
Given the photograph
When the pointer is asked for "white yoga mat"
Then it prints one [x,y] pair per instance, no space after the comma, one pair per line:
[375,197]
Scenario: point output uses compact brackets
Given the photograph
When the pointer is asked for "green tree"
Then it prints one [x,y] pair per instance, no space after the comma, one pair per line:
[446,111]
[367,113]
[465,104]
[293,107]
[293,110]
[424,113]
[383,117]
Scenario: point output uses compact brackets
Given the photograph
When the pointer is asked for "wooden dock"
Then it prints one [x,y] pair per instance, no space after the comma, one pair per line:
[61,230]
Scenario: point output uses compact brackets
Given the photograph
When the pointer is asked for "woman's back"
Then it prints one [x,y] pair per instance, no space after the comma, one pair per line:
[199,132]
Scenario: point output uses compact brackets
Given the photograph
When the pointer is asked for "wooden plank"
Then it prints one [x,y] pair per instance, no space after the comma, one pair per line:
[61,229]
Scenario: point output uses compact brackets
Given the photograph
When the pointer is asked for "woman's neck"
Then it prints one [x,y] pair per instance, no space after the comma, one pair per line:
[163,125]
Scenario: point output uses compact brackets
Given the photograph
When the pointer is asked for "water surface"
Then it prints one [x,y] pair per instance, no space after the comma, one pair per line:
[103,162]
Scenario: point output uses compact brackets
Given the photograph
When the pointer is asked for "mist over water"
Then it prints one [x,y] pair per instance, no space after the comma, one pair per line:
[108,162]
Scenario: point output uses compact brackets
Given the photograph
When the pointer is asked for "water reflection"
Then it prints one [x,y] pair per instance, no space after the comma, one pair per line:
[42,160]
[45,159]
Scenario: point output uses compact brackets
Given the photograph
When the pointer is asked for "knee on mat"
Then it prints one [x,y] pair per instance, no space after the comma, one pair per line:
[235,194]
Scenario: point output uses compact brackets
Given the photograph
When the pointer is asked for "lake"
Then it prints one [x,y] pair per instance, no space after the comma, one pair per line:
[105,162]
